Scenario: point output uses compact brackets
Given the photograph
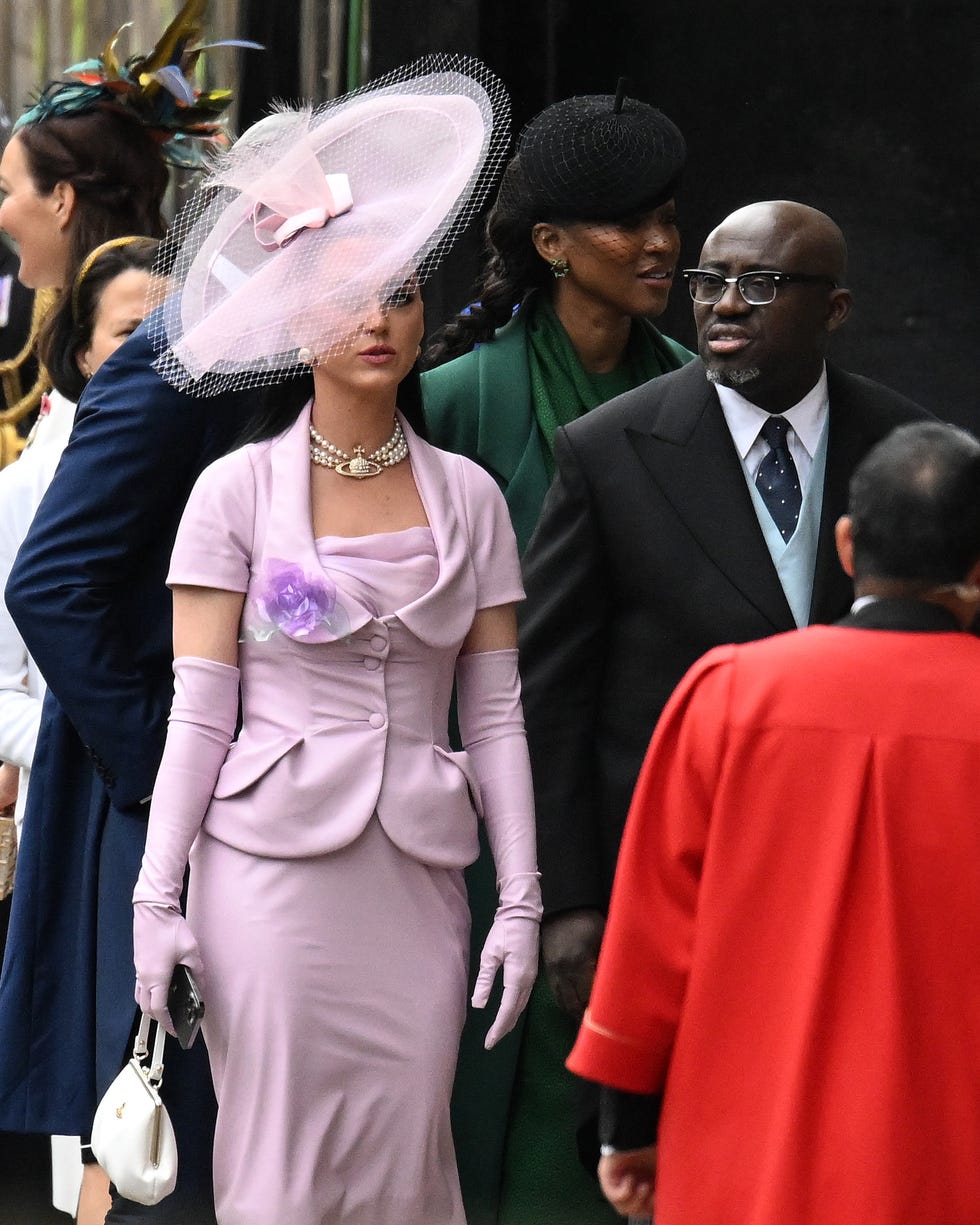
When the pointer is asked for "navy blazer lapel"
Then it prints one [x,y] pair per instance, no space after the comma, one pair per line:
[689,452]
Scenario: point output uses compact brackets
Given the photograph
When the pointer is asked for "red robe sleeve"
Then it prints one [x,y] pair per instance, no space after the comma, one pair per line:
[628,1031]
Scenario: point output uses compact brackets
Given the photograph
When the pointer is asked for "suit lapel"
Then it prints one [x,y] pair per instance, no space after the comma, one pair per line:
[441,616]
[847,443]
[689,453]
[289,536]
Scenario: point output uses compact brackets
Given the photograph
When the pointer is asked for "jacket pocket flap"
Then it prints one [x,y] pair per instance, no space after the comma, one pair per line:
[248,761]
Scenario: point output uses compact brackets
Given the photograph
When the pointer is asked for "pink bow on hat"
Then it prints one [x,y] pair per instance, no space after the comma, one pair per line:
[276,229]
[417,150]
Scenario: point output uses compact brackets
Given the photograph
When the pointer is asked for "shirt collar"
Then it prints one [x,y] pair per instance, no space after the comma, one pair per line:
[863,601]
[746,419]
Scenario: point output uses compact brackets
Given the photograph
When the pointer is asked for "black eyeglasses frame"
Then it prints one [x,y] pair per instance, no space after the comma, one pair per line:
[777,278]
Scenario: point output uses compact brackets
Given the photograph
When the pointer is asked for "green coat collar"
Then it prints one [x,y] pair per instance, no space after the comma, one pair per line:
[480,405]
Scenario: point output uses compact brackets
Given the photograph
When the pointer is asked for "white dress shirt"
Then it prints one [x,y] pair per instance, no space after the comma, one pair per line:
[806,420]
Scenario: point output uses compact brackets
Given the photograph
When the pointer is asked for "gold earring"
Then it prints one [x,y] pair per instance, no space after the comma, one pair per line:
[559,268]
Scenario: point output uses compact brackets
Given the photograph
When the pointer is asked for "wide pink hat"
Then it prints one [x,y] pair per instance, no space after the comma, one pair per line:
[317,214]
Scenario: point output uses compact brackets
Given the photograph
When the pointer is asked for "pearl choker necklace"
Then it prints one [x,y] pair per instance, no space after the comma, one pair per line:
[358,465]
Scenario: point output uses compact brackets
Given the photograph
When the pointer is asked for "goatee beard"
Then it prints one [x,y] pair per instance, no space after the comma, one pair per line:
[733,378]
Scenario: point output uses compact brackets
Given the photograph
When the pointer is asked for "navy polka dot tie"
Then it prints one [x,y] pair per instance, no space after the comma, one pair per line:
[777,480]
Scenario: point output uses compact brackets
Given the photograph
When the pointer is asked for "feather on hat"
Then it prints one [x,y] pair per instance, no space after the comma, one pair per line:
[155,87]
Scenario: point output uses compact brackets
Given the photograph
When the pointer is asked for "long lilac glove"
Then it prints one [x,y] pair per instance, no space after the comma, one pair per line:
[491,724]
[202,723]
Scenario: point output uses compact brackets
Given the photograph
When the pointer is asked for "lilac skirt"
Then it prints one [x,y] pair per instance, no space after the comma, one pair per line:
[335,991]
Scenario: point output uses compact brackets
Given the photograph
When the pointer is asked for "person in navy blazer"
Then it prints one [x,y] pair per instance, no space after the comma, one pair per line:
[88,594]
[653,546]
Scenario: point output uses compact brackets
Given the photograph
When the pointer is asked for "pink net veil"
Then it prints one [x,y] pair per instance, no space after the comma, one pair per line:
[316,214]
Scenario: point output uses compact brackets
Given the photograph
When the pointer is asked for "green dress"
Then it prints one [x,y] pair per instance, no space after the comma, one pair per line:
[514,1107]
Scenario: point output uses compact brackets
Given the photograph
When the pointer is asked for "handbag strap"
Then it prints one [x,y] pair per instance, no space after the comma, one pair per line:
[141,1048]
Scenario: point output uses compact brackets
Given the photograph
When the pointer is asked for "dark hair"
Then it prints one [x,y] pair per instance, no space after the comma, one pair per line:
[512,269]
[277,406]
[119,177]
[915,506]
[592,158]
[74,327]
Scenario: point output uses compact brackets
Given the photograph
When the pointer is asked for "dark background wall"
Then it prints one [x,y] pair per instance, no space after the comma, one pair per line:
[867,110]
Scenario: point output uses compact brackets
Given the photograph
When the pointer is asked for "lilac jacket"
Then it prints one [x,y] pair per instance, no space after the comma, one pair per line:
[349,715]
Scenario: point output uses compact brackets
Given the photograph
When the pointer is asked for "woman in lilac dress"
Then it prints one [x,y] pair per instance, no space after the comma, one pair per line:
[337,578]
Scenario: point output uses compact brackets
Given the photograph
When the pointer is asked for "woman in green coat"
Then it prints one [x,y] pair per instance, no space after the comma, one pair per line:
[582,249]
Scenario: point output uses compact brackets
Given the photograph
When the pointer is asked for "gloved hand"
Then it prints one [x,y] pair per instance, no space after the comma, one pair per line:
[202,723]
[570,944]
[162,939]
[491,726]
[512,943]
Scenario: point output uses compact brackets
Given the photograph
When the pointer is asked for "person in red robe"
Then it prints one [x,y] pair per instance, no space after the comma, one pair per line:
[791,956]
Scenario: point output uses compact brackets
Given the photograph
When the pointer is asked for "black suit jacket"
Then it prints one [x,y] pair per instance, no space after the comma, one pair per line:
[648,553]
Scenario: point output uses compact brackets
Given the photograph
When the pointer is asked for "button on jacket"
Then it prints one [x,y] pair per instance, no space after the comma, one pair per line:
[350,718]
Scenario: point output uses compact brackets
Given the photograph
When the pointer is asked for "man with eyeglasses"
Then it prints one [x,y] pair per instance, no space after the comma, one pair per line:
[696,510]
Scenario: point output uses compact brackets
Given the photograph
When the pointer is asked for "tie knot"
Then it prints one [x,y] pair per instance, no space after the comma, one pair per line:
[774,432]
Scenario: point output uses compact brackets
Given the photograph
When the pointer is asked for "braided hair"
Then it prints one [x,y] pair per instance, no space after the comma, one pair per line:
[594,158]
[512,269]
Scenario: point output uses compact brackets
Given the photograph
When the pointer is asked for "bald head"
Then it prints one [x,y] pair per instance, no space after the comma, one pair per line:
[773,352]
[809,234]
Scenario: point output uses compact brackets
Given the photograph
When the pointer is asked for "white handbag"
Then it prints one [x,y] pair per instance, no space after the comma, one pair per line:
[132,1136]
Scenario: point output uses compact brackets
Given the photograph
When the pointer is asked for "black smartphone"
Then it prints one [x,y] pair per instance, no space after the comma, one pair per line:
[185,1005]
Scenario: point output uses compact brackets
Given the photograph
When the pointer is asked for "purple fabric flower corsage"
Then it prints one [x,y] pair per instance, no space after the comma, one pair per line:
[291,602]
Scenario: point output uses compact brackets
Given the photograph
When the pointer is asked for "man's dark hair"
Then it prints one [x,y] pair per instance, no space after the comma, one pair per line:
[915,505]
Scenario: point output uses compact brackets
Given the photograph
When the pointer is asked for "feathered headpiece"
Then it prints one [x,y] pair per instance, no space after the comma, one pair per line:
[156,88]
